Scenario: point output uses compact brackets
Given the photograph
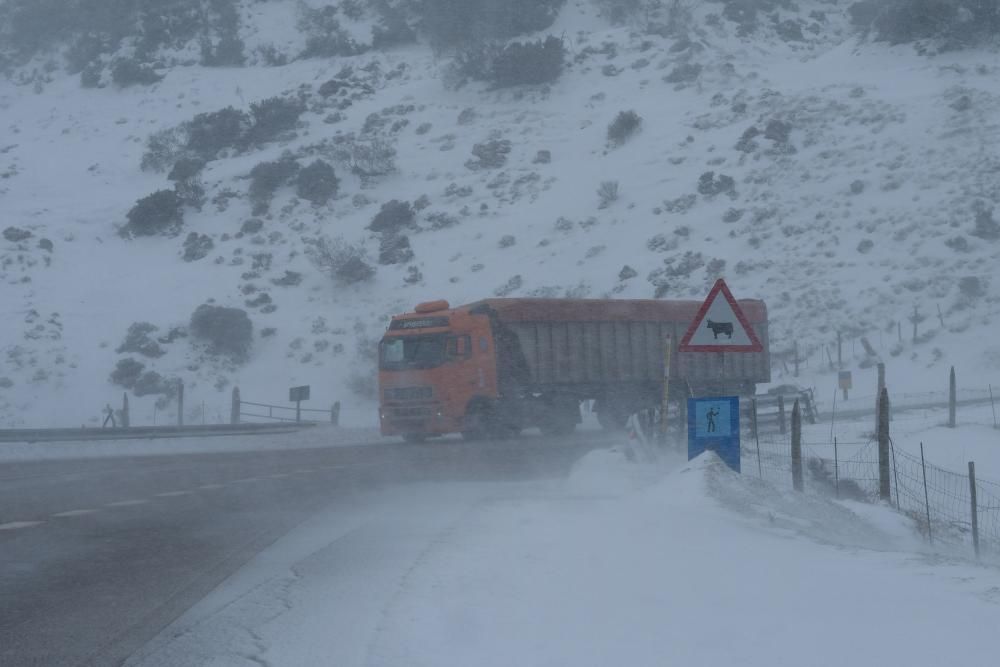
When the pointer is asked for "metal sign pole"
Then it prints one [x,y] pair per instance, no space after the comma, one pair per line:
[666,390]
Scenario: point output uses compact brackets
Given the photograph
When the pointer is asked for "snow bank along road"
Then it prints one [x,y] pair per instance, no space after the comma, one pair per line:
[98,555]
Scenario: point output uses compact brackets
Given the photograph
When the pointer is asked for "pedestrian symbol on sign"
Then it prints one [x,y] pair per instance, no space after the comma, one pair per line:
[712,413]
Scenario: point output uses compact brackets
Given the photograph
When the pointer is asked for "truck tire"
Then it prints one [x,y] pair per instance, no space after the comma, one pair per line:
[612,417]
[561,419]
[479,422]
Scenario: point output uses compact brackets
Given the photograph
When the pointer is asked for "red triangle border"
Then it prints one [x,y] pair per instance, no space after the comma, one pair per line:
[720,286]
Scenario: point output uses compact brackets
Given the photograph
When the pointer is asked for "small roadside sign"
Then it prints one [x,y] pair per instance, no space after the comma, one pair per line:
[844,379]
[720,326]
[714,425]
[296,394]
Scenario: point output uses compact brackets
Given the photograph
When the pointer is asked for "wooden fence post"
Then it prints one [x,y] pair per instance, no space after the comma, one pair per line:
[234,410]
[125,415]
[781,414]
[796,446]
[756,438]
[927,502]
[180,403]
[975,510]
[884,490]
[878,391]
[951,398]
[335,414]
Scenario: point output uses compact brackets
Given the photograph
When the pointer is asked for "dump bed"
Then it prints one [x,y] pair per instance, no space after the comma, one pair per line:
[584,341]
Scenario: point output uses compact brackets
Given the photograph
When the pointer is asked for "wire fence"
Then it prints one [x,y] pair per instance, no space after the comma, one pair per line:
[942,509]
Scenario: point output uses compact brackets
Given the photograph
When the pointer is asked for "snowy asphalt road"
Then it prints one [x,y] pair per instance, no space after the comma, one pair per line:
[97,556]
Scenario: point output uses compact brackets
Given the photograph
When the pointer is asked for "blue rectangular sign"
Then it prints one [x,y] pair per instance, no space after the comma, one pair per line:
[714,424]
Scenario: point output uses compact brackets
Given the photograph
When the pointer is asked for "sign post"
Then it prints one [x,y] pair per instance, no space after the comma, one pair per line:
[297,395]
[844,380]
[668,343]
[714,425]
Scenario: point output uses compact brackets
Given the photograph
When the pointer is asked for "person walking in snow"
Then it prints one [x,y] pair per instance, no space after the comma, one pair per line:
[109,417]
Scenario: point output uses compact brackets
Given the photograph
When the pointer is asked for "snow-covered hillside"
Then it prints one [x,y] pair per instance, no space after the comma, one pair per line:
[841,180]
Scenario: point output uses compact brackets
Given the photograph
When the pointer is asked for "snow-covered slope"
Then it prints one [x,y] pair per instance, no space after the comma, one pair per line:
[856,199]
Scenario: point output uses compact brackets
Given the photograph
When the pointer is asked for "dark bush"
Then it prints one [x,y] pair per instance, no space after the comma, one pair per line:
[685,73]
[392,28]
[325,38]
[267,177]
[971,287]
[197,246]
[158,213]
[394,249]
[710,186]
[209,133]
[273,116]
[619,11]
[956,24]
[392,217]
[251,226]
[127,72]
[290,279]
[228,52]
[137,340]
[452,23]
[126,372]
[152,383]
[490,154]
[863,14]
[625,124]
[526,63]
[16,234]
[185,169]
[346,264]
[778,131]
[986,227]
[228,331]
[317,183]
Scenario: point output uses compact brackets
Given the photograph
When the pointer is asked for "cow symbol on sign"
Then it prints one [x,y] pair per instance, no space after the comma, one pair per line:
[720,327]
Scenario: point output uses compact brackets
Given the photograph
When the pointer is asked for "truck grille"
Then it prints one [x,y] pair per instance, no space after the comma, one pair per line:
[408,393]
[410,412]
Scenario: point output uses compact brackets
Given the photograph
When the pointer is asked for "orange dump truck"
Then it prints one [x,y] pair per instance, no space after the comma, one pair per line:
[494,367]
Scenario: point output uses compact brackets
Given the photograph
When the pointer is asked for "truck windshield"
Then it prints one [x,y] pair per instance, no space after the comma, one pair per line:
[411,352]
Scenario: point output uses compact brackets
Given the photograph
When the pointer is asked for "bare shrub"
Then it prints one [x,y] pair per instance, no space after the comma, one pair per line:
[345,263]
[607,192]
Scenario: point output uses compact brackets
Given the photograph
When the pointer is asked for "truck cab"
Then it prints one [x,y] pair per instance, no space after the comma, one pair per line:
[434,364]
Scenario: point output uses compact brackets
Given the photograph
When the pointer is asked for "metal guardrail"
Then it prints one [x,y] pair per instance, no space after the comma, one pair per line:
[145,432]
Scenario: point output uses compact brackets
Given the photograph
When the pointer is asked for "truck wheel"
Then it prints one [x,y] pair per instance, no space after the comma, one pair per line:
[558,427]
[478,422]
[562,419]
[612,417]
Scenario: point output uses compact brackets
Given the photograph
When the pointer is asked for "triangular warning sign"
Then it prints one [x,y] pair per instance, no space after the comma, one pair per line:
[720,326]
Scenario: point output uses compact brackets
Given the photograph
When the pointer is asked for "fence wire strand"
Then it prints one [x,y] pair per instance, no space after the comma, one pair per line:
[856,477]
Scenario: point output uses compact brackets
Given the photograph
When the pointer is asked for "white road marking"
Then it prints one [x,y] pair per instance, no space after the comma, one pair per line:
[209,487]
[76,512]
[127,503]
[246,479]
[279,475]
[171,494]
[14,525]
